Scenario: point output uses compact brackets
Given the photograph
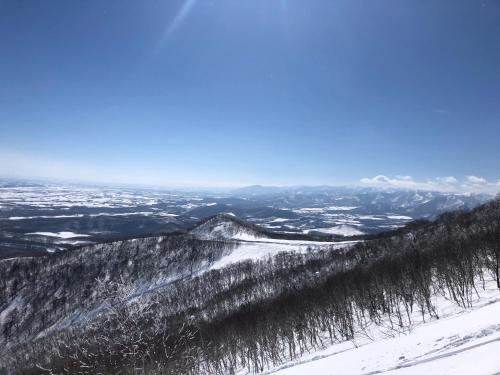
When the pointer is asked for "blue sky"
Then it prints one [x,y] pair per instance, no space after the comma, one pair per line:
[215,93]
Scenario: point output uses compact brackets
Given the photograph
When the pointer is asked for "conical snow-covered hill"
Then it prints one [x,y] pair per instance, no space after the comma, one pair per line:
[228,227]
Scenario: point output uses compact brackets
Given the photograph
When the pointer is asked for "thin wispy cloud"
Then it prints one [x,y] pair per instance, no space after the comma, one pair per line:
[441,111]
[469,184]
[474,180]
[171,28]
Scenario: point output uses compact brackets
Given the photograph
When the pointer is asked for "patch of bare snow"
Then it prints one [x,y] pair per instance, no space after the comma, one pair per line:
[341,208]
[64,235]
[399,217]
[342,230]
[264,248]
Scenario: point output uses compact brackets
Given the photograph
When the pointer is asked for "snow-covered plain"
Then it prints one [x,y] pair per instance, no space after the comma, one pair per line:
[461,342]
[342,230]
[63,234]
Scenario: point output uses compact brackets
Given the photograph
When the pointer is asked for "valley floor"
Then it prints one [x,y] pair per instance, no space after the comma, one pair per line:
[461,342]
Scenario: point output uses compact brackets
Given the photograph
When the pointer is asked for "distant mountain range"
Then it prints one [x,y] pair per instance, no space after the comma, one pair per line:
[373,200]
[36,218]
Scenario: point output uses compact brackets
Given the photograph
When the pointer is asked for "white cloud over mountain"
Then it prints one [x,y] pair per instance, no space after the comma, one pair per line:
[469,184]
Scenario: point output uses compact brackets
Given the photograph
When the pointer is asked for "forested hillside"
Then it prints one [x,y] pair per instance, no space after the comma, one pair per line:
[247,316]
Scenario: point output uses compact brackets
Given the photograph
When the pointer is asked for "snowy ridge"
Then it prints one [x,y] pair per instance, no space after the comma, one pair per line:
[252,242]
[227,227]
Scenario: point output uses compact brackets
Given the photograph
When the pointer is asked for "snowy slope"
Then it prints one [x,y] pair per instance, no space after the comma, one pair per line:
[255,250]
[252,242]
[147,264]
[461,342]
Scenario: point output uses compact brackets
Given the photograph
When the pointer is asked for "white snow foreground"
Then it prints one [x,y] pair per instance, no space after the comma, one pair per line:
[461,342]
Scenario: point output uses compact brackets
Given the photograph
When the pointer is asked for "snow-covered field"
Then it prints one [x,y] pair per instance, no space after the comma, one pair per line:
[461,342]
[63,235]
[342,230]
